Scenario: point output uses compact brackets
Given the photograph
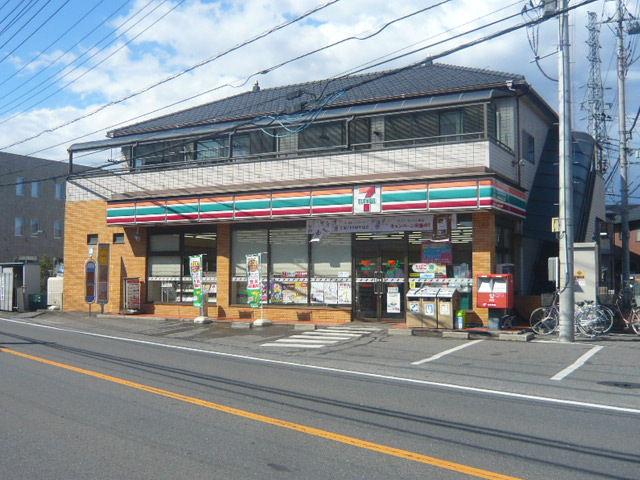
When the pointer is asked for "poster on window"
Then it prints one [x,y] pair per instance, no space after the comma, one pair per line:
[344,293]
[443,227]
[288,291]
[438,253]
[393,300]
[254,285]
[195,268]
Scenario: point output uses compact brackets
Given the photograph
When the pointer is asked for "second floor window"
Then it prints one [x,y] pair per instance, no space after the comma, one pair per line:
[20,187]
[322,135]
[528,147]
[58,229]
[19,226]
[59,191]
[36,189]
[35,227]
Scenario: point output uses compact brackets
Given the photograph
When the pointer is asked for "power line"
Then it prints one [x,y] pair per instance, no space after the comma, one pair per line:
[183,72]
[47,2]
[83,62]
[36,30]
[19,15]
[413,65]
[45,49]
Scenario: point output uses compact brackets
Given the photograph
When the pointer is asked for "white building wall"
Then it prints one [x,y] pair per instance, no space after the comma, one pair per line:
[401,161]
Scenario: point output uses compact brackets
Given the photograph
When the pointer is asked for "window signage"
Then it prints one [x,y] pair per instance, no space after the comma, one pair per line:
[132,294]
[254,285]
[319,227]
[195,267]
[103,274]
[367,199]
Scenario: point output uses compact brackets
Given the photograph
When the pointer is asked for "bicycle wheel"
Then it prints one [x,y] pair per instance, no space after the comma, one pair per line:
[591,322]
[635,320]
[543,321]
[610,315]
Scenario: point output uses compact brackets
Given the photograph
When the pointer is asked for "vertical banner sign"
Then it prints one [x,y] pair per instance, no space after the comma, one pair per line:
[132,294]
[103,273]
[195,267]
[90,281]
[254,285]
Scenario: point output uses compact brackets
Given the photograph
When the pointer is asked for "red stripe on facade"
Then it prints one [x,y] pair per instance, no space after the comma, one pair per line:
[291,211]
[347,209]
[257,213]
[122,220]
[183,216]
[452,203]
[405,206]
[217,215]
[151,218]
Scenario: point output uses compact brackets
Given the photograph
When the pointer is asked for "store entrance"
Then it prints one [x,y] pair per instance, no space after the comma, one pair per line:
[379,264]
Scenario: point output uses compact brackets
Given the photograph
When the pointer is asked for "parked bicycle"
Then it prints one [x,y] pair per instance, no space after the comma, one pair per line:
[629,315]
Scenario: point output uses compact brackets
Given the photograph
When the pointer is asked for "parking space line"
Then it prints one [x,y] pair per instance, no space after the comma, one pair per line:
[446,352]
[577,364]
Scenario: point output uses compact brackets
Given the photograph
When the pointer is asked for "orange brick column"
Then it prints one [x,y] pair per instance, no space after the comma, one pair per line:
[126,260]
[483,253]
[224,269]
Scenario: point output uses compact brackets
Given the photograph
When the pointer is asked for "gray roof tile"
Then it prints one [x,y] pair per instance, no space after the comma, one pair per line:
[426,79]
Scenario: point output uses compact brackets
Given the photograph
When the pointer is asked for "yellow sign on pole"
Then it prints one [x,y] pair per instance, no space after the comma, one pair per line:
[555,224]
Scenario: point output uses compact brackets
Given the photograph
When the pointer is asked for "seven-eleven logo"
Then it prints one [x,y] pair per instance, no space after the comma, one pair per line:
[366,199]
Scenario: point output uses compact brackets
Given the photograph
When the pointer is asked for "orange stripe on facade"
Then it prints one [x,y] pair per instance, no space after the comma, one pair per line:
[256,196]
[332,191]
[226,198]
[306,193]
[471,183]
[151,203]
[397,188]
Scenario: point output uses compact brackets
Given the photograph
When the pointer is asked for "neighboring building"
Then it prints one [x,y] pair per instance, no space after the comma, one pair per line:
[353,190]
[611,245]
[32,224]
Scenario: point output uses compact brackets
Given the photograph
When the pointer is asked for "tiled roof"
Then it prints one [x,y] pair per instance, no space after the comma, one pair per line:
[426,79]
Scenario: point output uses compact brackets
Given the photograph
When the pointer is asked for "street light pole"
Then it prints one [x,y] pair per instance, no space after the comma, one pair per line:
[624,164]
[565,182]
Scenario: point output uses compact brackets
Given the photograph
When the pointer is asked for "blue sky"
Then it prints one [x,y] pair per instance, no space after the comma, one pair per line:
[188,31]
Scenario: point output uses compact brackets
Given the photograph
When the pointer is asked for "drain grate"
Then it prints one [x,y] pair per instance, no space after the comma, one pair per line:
[626,385]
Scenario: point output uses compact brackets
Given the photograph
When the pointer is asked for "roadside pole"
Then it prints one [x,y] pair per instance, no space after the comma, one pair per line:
[565,182]
[624,165]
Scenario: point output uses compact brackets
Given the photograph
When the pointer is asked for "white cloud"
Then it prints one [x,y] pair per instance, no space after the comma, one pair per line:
[199,29]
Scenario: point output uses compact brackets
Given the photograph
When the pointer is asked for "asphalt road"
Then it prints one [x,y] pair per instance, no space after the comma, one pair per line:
[87,407]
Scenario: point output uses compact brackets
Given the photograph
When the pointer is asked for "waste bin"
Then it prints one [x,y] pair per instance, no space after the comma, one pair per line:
[448,304]
[37,301]
[414,309]
[429,306]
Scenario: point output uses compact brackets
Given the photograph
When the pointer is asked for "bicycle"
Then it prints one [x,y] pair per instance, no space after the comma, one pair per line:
[590,319]
[630,316]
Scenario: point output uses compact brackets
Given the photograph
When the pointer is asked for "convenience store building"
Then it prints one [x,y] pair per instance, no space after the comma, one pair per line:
[352,192]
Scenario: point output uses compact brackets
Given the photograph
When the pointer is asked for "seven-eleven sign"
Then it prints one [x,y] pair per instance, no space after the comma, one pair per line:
[366,200]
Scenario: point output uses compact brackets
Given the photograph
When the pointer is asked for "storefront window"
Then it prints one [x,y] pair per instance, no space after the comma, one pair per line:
[169,279]
[331,270]
[247,242]
[289,262]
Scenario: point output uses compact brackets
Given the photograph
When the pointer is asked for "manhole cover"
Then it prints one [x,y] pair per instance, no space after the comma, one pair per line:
[627,385]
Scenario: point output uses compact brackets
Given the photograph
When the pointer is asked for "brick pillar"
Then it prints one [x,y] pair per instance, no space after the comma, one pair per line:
[484,253]
[224,269]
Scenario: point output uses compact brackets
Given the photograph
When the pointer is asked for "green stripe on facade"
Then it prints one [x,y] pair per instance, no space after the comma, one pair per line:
[253,204]
[216,207]
[123,212]
[503,196]
[151,210]
[182,208]
[290,202]
[453,193]
[331,201]
[404,196]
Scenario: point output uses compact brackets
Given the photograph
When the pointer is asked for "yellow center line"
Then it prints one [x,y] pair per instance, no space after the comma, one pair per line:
[315,432]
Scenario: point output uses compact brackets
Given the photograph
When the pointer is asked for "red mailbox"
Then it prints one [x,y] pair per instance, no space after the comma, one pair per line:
[495,290]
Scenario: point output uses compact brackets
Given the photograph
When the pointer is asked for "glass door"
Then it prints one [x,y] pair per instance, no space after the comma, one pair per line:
[379,279]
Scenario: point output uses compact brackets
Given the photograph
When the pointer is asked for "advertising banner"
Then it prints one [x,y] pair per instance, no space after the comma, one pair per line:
[416,223]
[195,267]
[103,273]
[438,253]
[132,294]
[254,285]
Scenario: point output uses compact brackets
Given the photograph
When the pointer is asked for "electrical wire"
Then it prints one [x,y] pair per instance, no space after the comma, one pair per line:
[47,2]
[436,56]
[45,49]
[94,54]
[19,15]
[193,67]
[36,30]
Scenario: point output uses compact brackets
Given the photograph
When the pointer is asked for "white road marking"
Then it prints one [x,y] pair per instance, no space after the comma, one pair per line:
[305,340]
[341,333]
[577,364]
[446,352]
[316,337]
[356,373]
[294,345]
[325,334]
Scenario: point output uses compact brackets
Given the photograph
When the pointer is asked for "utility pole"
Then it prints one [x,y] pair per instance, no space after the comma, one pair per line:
[565,181]
[624,165]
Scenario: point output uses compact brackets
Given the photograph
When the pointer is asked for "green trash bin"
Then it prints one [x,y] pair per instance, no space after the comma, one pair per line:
[37,301]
